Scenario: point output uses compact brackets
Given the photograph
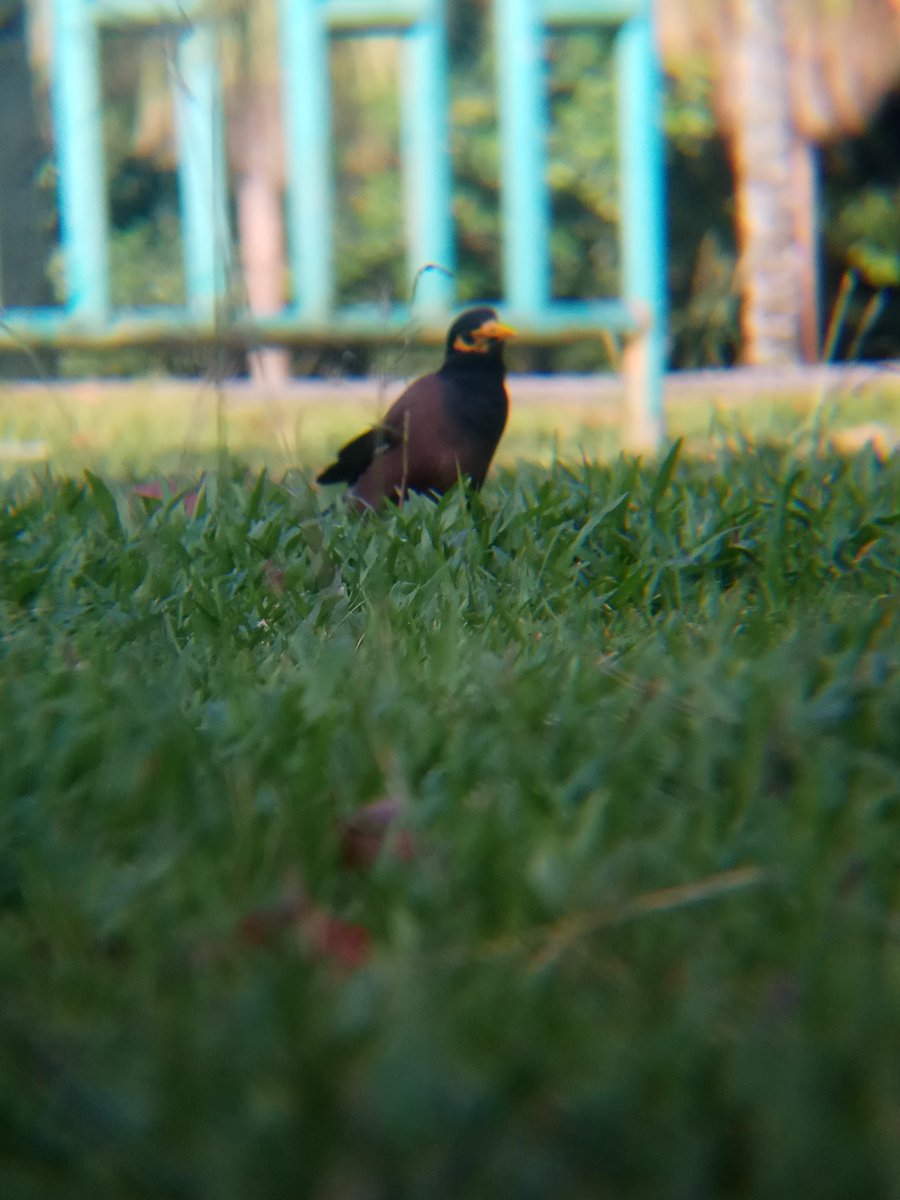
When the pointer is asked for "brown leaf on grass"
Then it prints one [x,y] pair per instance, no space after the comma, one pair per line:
[321,934]
[156,490]
[370,830]
[343,942]
[274,576]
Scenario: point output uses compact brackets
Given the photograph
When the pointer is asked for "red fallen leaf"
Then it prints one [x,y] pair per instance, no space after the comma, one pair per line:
[348,944]
[362,835]
[325,936]
[154,491]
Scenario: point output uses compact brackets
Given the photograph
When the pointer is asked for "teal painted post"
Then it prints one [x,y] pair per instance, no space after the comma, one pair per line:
[426,161]
[642,229]
[204,227]
[82,181]
[523,143]
[307,123]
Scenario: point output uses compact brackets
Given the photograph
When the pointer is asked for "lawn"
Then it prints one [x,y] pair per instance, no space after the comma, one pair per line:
[546,846]
[144,427]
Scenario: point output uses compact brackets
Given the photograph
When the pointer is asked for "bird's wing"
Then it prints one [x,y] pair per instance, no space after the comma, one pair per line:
[352,459]
[419,402]
[421,455]
[357,455]
[392,431]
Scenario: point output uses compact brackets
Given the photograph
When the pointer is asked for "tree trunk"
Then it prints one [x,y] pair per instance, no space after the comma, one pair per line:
[263,260]
[805,170]
[256,150]
[764,146]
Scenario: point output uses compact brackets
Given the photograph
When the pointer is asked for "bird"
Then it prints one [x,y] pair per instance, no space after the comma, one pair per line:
[444,427]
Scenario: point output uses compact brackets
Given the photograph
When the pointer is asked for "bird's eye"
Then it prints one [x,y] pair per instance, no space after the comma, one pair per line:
[465,342]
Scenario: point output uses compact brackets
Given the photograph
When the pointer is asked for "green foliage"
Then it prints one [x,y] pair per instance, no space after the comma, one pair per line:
[371,264]
[582,168]
[705,325]
[688,116]
[641,722]
[581,172]
[145,269]
[704,296]
[867,233]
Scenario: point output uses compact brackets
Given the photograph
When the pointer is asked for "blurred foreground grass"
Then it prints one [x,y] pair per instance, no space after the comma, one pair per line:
[626,921]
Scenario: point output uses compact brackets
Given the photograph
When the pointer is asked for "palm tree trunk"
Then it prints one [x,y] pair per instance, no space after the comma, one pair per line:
[764,143]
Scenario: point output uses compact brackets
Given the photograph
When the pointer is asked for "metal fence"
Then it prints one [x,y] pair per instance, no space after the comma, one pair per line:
[305,27]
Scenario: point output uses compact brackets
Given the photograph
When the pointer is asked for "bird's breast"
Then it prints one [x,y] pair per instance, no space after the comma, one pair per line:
[479,412]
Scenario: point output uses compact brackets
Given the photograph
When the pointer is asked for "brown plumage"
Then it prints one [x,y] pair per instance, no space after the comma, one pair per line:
[444,427]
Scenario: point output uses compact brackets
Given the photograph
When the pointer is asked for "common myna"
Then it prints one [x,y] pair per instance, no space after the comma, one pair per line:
[444,427]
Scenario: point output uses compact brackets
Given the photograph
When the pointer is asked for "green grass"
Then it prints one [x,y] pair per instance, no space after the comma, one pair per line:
[127,429]
[639,724]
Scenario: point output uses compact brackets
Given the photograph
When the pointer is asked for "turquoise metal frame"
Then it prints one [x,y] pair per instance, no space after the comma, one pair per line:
[306,26]
[305,29]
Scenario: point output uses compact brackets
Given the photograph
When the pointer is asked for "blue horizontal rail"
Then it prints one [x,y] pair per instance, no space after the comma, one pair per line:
[568,320]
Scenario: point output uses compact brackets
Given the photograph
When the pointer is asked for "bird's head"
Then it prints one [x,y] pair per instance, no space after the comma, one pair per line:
[478,331]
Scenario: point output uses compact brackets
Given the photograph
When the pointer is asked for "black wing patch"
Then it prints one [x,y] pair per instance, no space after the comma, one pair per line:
[356,457]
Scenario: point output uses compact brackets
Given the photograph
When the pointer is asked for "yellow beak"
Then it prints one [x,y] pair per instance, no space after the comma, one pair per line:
[495,330]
